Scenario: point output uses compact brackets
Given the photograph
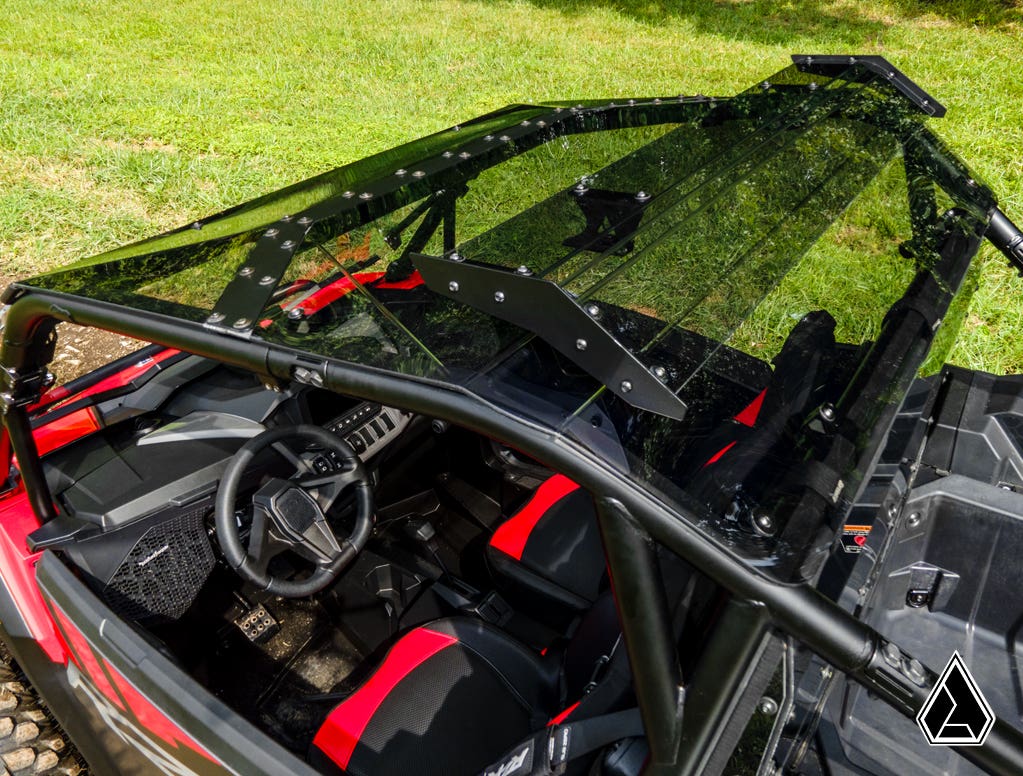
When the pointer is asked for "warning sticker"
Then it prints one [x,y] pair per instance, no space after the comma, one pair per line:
[854,537]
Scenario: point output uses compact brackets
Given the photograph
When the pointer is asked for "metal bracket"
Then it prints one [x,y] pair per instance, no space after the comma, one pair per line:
[833,65]
[22,389]
[547,310]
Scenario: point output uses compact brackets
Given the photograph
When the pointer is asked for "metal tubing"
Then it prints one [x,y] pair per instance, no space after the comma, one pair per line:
[1007,238]
[646,624]
[19,428]
[803,612]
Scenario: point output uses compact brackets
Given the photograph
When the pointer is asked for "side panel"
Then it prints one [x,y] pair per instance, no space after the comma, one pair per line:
[146,713]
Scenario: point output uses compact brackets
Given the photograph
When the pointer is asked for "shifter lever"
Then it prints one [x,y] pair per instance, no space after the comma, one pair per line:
[422,530]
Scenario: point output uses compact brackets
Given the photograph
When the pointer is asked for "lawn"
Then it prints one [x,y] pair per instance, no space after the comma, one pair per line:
[119,120]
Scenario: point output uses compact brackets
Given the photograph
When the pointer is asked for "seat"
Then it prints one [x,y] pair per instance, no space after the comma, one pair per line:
[452,696]
[552,546]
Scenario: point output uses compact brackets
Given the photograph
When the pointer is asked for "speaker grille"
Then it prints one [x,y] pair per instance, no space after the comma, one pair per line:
[163,573]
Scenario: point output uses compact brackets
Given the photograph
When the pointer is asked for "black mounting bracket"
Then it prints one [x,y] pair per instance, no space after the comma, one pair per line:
[833,65]
[544,308]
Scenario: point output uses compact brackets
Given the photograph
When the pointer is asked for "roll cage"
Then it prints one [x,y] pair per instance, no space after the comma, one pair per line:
[765,611]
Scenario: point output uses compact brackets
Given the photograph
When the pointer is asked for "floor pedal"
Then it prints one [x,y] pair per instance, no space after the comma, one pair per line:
[257,624]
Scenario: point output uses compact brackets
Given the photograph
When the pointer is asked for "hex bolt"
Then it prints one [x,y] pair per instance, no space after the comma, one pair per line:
[453,286]
[892,654]
[245,272]
[914,669]
[768,706]
[580,344]
[241,323]
[626,386]
[499,296]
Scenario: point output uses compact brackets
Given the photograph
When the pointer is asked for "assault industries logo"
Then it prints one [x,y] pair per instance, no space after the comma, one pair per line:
[956,712]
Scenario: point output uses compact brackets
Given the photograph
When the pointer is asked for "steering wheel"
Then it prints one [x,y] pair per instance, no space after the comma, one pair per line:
[290,514]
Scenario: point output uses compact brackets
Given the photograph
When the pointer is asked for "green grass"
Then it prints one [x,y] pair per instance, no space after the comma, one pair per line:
[119,120]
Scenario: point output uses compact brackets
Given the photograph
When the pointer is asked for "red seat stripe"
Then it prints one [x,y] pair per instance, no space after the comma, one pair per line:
[512,535]
[557,720]
[717,456]
[748,417]
[342,730]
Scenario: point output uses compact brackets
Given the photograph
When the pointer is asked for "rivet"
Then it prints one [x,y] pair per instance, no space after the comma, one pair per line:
[305,220]
[592,310]
[580,188]
[541,123]
[642,196]
[453,286]
[632,102]
[626,386]
[813,86]
[464,155]
[525,123]
[657,100]
[348,194]
[524,270]
[419,174]
[447,154]
[287,245]
[401,172]
[456,256]
[366,195]
[765,85]
[245,272]
[266,280]
[891,73]
[488,138]
[241,323]
[286,218]
[580,344]
[271,232]
[505,139]
[499,296]
[659,372]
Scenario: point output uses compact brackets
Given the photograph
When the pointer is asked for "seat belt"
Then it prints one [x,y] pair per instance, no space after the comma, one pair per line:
[548,752]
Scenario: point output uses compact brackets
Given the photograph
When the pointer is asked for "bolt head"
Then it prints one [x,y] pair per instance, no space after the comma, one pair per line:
[241,323]
[419,174]
[827,412]
[287,245]
[401,172]
[215,318]
[592,310]
[768,706]
[642,196]
[266,280]
[580,344]
[626,386]
[305,220]
[296,313]
[913,520]
[453,286]
[659,372]
[366,195]
[499,296]
[245,272]
[524,270]
[456,256]
[271,232]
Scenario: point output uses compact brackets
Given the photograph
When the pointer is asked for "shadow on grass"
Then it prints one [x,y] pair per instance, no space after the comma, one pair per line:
[852,24]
